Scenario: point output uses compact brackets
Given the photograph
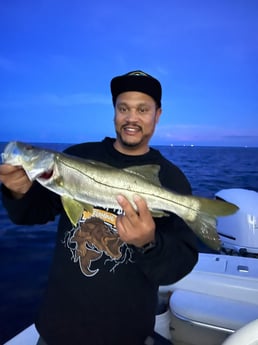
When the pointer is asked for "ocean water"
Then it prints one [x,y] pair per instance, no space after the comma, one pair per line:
[25,252]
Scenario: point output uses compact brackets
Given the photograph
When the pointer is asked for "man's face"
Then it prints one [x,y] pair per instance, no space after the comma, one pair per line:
[136,115]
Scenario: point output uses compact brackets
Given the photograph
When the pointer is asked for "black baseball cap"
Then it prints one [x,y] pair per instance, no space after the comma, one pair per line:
[136,81]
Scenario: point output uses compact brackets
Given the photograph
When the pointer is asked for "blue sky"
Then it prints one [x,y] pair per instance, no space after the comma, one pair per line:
[57,58]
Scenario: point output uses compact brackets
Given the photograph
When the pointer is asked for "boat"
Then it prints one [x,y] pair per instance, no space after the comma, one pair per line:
[217,303]
[220,296]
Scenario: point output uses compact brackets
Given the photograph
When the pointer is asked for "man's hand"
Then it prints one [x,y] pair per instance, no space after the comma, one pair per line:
[15,179]
[135,227]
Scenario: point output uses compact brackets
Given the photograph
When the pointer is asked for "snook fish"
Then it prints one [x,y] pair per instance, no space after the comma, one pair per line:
[83,184]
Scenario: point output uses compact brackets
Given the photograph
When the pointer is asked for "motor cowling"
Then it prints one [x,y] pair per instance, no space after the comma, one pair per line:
[239,232]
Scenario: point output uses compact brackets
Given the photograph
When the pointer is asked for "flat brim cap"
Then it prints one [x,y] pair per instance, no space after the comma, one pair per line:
[136,81]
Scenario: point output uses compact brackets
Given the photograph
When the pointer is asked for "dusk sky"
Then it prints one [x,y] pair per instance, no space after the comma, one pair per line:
[57,58]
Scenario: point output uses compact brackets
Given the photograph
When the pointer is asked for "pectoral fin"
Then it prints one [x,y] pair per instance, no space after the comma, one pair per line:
[74,209]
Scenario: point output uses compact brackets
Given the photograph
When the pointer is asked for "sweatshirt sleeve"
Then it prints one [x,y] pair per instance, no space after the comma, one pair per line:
[176,250]
[37,206]
[174,255]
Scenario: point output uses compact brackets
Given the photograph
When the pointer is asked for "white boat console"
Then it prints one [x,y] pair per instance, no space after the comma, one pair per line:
[217,298]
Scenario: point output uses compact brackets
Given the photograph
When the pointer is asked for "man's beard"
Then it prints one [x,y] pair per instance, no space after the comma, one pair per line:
[126,143]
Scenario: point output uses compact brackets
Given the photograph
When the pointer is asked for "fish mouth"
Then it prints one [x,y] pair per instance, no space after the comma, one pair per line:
[44,166]
[46,175]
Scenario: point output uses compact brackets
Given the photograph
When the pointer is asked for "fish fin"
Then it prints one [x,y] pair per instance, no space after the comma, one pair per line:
[149,172]
[159,213]
[204,225]
[217,207]
[73,209]
[88,208]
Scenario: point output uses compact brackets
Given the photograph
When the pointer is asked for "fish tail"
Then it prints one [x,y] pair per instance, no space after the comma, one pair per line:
[217,207]
[204,227]
[205,223]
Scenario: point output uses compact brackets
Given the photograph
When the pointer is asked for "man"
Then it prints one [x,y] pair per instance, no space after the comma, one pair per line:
[106,271]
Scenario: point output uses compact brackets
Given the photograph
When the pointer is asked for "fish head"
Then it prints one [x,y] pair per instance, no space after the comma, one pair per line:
[35,161]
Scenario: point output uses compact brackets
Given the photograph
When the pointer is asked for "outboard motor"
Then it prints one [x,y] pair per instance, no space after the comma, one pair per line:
[239,232]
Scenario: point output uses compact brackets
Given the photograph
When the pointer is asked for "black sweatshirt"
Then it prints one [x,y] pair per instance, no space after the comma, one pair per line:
[102,291]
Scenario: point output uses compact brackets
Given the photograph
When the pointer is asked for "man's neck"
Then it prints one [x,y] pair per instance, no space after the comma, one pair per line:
[131,150]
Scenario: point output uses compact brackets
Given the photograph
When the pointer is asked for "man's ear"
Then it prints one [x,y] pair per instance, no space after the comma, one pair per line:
[158,113]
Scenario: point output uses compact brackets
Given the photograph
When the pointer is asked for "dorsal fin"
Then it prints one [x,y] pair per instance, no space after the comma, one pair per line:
[149,172]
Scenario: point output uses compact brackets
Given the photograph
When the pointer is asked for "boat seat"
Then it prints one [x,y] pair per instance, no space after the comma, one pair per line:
[212,311]
[246,335]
